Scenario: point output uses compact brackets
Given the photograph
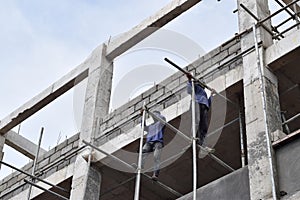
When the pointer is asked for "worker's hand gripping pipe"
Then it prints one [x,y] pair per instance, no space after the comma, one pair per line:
[190,140]
[198,81]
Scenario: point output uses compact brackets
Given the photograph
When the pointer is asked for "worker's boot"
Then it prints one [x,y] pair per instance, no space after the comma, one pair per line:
[208,149]
[154,177]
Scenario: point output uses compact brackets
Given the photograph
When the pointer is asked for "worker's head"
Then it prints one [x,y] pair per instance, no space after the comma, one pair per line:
[156,113]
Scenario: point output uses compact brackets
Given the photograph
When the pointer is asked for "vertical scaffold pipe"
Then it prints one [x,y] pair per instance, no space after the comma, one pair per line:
[243,156]
[138,175]
[35,161]
[262,83]
[194,142]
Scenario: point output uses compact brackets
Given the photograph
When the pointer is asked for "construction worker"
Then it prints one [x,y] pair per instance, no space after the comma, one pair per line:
[202,106]
[154,142]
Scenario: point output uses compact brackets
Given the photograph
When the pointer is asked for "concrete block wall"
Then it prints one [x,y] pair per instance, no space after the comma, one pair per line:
[54,160]
[233,186]
[169,91]
[288,166]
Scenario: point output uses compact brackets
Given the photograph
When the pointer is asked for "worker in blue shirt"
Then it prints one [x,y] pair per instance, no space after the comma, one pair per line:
[202,106]
[154,142]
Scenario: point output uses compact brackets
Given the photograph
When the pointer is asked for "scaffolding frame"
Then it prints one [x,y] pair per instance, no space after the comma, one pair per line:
[287,10]
[286,121]
[32,176]
[46,190]
[139,168]
[259,22]
[192,140]
[132,168]
[198,81]
[35,177]
[35,161]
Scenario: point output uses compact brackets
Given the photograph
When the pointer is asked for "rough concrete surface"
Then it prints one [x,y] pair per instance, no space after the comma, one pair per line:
[234,186]
[288,166]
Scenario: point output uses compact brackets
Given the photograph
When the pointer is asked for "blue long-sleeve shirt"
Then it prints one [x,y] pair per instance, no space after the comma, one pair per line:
[200,94]
[156,131]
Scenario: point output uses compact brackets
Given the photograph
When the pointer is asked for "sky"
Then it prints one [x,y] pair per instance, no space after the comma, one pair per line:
[43,40]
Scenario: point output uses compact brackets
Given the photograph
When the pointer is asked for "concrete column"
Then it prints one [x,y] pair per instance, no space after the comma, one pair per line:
[260,9]
[86,179]
[98,92]
[2,142]
[262,170]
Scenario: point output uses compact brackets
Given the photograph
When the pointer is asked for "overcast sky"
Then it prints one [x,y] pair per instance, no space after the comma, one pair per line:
[43,40]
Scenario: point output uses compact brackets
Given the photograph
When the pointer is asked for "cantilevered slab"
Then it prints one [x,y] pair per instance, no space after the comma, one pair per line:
[282,51]
[41,100]
[119,45]
[22,144]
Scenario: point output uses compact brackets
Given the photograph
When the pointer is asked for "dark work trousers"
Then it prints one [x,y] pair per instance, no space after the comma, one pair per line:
[150,147]
[201,122]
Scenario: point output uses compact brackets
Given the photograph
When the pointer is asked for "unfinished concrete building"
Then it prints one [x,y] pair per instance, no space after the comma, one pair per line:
[256,135]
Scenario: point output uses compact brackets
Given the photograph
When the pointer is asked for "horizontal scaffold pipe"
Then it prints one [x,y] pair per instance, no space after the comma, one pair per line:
[190,140]
[133,168]
[201,83]
[32,176]
[46,190]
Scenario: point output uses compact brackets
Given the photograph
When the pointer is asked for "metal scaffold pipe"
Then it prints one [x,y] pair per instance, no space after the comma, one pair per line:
[35,161]
[288,29]
[211,155]
[198,81]
[243,156]
[138,174]
[291,119]
[133,169]
[194,142]
[261,23]
[49,191]
[263,95]
[33,177]
[286,7]
[280,10]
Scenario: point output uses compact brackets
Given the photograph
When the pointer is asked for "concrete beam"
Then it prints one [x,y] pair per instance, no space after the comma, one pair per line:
[279,53]
[22,145]
[119,45]
[45,97]
[115,48]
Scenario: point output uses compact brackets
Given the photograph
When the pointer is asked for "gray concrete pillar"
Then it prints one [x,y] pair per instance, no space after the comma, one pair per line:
[262,170]
[260,9]
[2,142]
[86,181]
[97,98]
